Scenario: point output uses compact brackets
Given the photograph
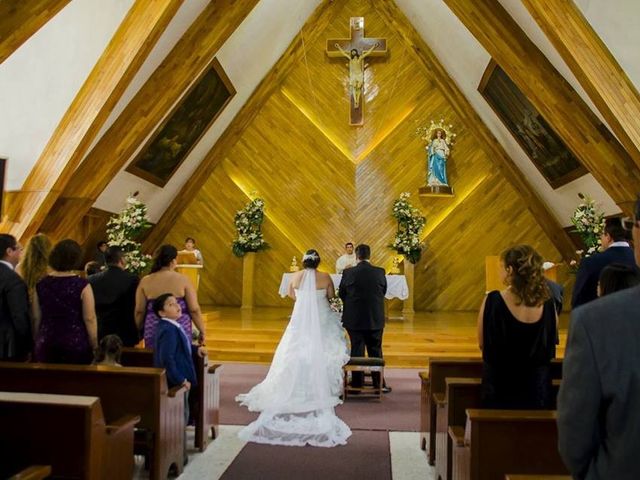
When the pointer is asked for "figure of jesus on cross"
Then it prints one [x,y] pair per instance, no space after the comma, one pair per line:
[356,49]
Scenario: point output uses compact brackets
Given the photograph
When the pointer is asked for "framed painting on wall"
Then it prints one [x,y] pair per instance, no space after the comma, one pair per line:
[537,138]
[181,130]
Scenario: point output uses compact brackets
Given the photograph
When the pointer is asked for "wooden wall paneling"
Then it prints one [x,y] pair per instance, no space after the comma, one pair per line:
[123,56]
[594,66]
[423,54]
[321,17]
[291,150]
[552,95]
[193,52]
[19,19]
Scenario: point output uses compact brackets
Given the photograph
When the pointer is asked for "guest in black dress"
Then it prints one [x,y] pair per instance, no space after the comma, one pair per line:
[517,332]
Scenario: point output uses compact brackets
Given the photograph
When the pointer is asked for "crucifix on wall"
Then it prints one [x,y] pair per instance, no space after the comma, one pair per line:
[356,49]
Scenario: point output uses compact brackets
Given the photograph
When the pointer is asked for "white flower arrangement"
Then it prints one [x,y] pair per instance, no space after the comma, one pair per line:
[588,221]
[124,228]
[335,303]
[248,222]
[410,225]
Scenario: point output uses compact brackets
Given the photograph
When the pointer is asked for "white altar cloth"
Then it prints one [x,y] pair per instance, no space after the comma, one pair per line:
[396,285]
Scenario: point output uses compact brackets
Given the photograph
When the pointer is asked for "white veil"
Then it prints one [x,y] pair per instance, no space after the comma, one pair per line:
[295,398]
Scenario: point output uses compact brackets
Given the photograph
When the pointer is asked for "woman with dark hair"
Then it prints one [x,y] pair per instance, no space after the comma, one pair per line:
[304,382]
[164,279]
[109,351]
[616,277]
[64,310]
[517,332]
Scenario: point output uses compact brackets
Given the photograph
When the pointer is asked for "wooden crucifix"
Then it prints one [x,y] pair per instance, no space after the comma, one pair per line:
[356,49]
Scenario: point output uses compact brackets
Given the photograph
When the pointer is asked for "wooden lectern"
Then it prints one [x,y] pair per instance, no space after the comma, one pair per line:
[188,265]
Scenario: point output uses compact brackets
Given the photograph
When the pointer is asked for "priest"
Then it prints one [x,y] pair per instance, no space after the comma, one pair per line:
[347,260]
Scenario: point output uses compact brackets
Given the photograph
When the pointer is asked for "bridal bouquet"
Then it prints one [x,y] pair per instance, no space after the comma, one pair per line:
[124,228]
[589,224]
[336,304]
[248,222]
[410,225]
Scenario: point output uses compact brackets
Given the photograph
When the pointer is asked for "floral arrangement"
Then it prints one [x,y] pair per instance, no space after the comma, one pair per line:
[410,225]
[248,222]
[335,303]
[124,228]
[589,224]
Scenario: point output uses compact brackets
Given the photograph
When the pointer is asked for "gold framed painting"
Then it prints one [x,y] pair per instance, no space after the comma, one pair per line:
[181,130]
[555,161]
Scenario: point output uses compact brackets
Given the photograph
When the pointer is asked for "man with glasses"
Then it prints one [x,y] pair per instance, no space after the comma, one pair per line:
[15,323]
[616,248]
[598,414]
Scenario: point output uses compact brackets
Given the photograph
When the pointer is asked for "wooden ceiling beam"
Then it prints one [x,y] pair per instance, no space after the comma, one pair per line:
[316,24]
[120,61]
[191,54]
[594,66]
[465,111]
[552,96]
[19,19]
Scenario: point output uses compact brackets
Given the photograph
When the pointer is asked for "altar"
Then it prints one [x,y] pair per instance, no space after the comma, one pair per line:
[397,286]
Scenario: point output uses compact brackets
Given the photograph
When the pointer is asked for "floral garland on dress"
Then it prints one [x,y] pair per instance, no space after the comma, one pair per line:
[124,228]
[588,221]
[248,222]
[410,225]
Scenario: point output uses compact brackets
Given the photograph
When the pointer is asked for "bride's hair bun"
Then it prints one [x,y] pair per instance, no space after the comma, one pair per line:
[311,259]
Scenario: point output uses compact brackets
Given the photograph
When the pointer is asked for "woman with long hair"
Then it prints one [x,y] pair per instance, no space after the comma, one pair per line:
[516,333]
[164,279]
[35,261]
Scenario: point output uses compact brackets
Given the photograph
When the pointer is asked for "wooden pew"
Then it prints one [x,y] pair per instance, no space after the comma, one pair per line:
[537,477]
[497,442]
[67,432]
[206,393]
[34,472]
[122,391]
[461,394]
[439,369]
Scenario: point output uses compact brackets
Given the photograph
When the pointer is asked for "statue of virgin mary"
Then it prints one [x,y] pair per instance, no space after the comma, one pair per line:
[437,153]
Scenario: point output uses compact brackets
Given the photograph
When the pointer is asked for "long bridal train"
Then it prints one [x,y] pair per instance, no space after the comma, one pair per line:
[301,389]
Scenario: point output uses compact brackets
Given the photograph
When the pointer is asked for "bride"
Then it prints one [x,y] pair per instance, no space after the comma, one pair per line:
[301,389]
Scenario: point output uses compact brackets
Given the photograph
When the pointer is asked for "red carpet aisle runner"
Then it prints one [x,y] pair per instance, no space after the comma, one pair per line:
[399,411]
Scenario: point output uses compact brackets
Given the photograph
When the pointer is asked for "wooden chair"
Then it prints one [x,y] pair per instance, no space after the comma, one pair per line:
[69,433]
[122,391]
[365,365]
[206,393]
[496,442]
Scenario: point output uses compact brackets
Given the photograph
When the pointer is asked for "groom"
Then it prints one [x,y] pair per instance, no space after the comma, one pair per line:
[362,291]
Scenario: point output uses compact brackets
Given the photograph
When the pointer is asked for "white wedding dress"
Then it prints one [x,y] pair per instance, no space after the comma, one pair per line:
[301,389]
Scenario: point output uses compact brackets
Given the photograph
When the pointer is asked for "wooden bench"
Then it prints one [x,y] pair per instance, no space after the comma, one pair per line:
[122,391]
[34,472]
[67,432]
[206,393]
[460,395]
[497,442]
[537,477]
[439,369]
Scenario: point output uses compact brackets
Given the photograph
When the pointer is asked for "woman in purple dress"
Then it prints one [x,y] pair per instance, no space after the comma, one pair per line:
[164,279]
[64,310]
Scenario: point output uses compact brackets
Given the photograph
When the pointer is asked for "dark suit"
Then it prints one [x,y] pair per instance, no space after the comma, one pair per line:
[586,286]
[115,294]
[15,322]
[362,291]
[599,399]
[557,294]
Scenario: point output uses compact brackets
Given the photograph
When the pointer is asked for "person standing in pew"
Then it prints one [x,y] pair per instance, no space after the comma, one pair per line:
[15,323]
[173,350]
[115,293]
[599,398]
[517,335]
[64,313]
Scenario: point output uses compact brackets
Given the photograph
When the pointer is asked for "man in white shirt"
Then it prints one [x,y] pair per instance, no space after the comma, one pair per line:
[347,260]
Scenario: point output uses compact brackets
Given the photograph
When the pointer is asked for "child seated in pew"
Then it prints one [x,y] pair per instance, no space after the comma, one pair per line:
[109,351]
[173,351]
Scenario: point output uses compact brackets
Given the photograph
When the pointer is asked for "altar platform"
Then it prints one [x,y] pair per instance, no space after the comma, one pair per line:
[235,335]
